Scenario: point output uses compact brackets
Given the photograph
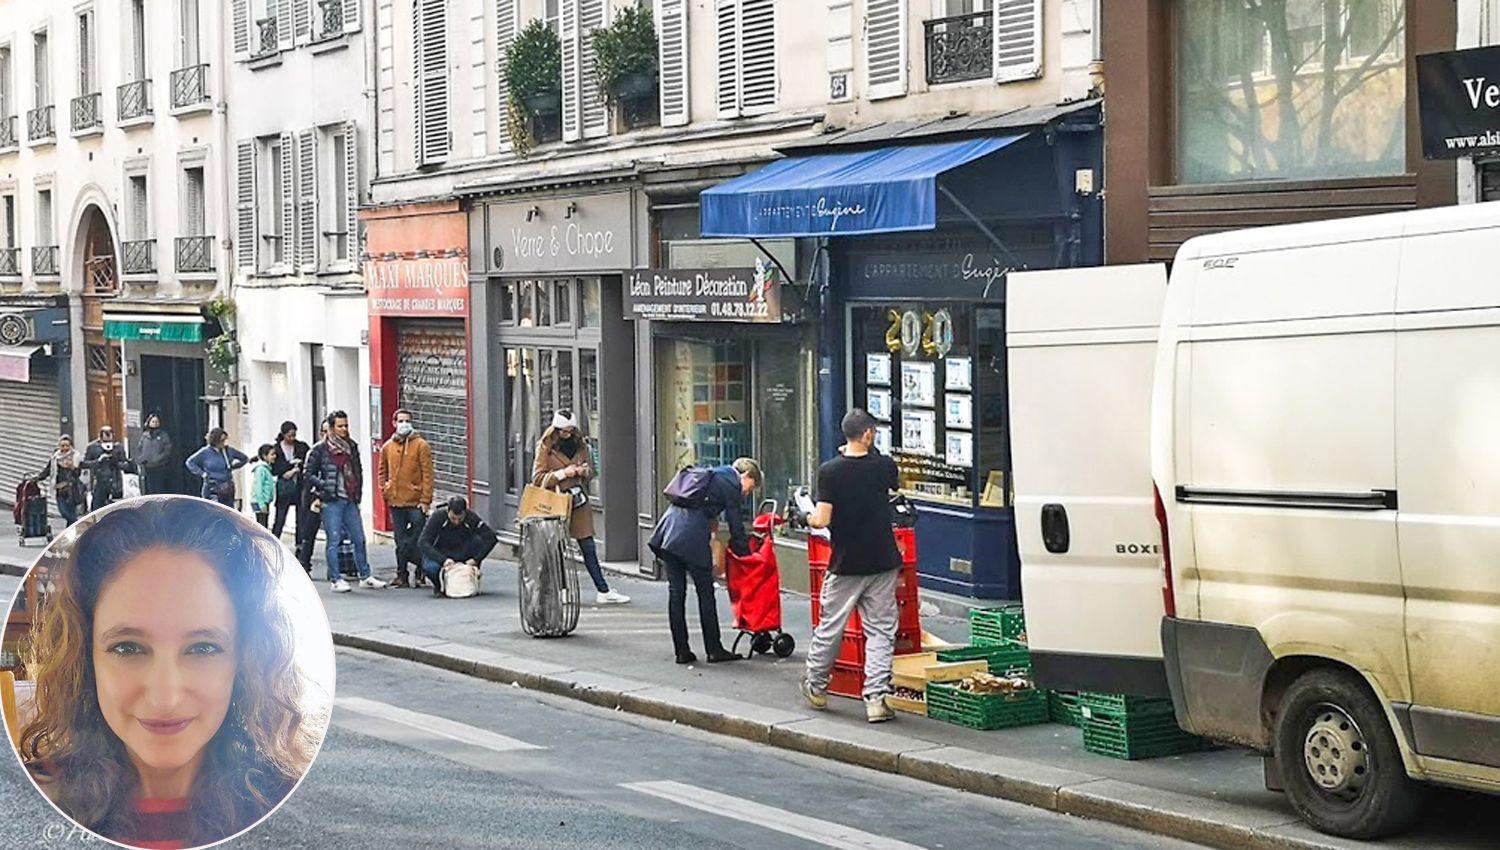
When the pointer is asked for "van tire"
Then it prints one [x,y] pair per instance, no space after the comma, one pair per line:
[1382,800]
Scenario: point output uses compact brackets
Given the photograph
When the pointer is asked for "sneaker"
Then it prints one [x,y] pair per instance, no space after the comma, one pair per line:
[371,582]
[611,597]
[340,586]
[876,711]
[814,698]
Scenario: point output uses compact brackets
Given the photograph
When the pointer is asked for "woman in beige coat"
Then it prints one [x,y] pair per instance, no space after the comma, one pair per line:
[563,463]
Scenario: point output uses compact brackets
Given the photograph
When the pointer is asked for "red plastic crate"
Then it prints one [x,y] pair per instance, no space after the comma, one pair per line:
[906,541]
[847,680]
[852,650]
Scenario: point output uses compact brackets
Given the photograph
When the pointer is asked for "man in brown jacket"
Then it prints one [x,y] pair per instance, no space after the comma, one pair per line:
[405,479]
[564,462]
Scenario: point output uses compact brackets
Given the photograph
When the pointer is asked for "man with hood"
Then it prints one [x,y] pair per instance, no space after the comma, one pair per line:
[107,464]
[337,477]
[154,456]
[563,462]
[405,476]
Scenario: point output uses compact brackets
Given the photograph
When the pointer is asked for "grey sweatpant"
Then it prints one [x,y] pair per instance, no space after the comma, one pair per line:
[875,599]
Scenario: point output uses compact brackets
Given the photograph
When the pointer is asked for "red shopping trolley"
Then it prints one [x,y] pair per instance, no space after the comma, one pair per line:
[755,589]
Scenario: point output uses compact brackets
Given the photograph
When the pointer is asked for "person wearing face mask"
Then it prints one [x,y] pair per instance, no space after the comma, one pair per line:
[107,464]
[405,476]
[563,462]
[154,455]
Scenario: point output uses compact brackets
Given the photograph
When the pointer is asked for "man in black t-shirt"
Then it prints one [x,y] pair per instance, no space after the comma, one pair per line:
[853,503]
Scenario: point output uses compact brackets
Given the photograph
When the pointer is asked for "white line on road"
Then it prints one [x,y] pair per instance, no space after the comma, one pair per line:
[434,725]
[780,820]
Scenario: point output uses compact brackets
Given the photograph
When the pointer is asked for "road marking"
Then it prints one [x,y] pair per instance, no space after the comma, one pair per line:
[780,820]
[434,725]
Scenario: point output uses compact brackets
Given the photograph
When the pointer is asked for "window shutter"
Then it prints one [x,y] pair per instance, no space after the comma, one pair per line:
[1018,40]
[594,112]
[506,26]
[351,15]
[351,188]
[140,210]
[309,233]
[284,25]
[757,56]
[433,143]
[288,178]
[196,214]
[241,29]
[885,47]
[727,39]
[303,20]
[572,94]
[245,247]
[672,59]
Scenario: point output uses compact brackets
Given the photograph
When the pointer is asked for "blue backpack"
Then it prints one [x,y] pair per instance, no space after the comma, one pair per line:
[690,487]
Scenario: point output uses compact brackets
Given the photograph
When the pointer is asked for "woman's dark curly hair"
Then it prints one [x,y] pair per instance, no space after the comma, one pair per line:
[265,743]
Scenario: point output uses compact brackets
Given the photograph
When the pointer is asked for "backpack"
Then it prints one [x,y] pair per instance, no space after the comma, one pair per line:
[690,487]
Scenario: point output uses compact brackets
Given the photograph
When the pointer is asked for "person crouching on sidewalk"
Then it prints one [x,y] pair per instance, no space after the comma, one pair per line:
[563,463]
[681,540]
[454,536]
[853,503]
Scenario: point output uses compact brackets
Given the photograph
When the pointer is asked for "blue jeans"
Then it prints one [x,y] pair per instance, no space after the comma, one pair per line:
[406,526]
[69,511]
[431,568]
[591,563]
[341,517]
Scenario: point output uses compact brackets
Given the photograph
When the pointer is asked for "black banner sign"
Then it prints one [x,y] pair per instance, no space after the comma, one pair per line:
[1458,97]
[704,295]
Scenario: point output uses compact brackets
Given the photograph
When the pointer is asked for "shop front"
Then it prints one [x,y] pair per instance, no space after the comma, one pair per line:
[920,235]
[546,273]
[35,385]
[417,286]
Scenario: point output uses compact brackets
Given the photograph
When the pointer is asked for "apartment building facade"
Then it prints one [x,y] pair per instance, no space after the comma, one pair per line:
[301,135]
[113,246]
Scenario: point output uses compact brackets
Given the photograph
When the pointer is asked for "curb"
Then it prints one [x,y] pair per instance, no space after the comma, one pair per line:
[1209,822]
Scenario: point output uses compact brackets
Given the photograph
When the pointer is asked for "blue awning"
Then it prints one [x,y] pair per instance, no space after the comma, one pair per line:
[840,194]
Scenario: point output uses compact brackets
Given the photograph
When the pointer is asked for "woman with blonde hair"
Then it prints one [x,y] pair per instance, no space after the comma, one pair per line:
[169,703]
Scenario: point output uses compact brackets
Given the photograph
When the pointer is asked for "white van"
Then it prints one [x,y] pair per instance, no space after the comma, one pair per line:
[1322,476]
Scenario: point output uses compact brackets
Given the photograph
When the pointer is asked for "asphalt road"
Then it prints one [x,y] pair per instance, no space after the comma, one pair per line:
[421,757]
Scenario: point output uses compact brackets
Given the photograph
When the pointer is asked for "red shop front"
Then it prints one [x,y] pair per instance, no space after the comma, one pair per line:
[416,280]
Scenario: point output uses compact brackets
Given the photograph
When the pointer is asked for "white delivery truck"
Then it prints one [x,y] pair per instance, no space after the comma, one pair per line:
[1271,489]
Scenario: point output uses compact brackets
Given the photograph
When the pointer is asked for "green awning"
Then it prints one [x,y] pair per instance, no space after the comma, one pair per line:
[188,329]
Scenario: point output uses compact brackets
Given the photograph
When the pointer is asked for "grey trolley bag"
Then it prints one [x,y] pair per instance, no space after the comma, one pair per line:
[548,583]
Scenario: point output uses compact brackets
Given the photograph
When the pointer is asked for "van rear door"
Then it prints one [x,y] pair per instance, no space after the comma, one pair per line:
[1082,351]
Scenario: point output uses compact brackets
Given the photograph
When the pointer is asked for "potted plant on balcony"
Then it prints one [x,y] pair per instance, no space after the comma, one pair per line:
[625,63]
[533,83]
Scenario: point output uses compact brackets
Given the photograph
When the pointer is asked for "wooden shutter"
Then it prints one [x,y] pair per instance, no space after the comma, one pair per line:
[284,24]
[309,229]
[351,15]
[241,29]
[288,179]
[245,238]
[885,47]
[672,59]
[302,18]
[1018,40]
[140,209]
[431,42]
[594,114]
[757,56]
[507,24]
[197,214]
[727,41]
[350,165]
[572,94]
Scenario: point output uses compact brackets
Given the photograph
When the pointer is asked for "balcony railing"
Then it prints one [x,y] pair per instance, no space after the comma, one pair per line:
[41,124]
[960,48]
[195,254]
[87,112]
[138,256]
[189,86]
[268,42]
[332,17]
[44,261]
[8,137]
[10,262]
[135,100]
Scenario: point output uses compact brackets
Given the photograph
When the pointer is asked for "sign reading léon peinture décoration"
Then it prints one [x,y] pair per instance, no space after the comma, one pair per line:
[704,295]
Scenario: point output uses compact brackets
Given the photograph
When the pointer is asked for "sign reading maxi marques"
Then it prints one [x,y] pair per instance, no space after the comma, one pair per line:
[704,295]
[1458,98]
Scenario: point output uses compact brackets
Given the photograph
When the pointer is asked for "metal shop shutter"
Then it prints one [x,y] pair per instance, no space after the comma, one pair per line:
[32,411]
[432,382]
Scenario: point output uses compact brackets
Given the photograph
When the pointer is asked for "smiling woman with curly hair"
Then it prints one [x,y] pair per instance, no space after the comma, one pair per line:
[169,706]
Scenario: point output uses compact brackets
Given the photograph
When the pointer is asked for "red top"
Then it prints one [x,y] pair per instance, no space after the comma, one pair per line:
[160,823]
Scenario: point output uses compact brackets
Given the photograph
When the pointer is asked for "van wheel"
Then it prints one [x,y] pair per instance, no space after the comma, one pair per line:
[1339,761]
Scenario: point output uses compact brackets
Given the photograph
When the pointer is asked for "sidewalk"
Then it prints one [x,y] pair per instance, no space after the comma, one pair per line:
[621,657]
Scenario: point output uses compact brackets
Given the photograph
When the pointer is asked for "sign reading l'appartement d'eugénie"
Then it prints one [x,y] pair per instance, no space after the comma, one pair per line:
[1458,97]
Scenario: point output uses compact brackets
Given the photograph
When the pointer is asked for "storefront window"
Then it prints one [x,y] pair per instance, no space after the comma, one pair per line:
[1299,89]
[588,410]
[933,375]
[512,390]
[591,301]
[526,304]
[562,302]
[543,291]
[508,303]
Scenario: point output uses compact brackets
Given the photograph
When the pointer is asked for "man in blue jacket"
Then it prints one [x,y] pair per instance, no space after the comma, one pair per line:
[682,542]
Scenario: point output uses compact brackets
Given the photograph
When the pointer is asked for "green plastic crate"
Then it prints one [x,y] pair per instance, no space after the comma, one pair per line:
[1006,656]
[985,711]
[1139,738]
[1064,707]
[1122,705]
[993,626]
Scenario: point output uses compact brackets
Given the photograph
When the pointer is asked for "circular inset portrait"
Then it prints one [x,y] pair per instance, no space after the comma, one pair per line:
[174,676]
